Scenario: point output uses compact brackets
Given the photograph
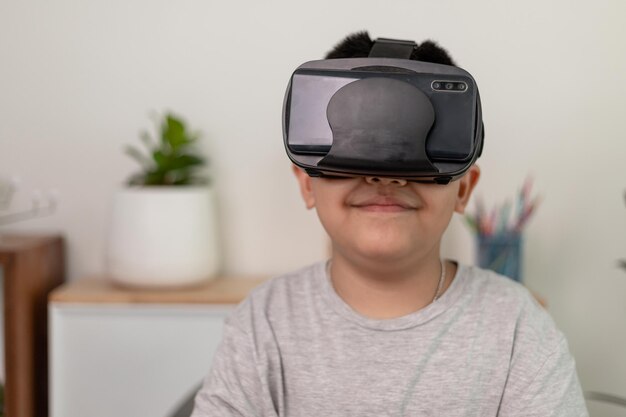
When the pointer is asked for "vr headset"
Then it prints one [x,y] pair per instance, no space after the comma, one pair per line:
[383,115]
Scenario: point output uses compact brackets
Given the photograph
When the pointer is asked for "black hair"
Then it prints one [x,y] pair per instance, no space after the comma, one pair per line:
[359,44]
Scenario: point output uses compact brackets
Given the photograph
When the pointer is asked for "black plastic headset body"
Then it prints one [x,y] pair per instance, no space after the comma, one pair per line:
[382,116]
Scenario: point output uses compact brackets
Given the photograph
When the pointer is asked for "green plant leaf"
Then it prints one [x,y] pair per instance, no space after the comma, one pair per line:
[171,161]
[134,153]
[174,132]
[155,178]
[161,159]
[136,179]
[186,161]
[192,137]
[147,140]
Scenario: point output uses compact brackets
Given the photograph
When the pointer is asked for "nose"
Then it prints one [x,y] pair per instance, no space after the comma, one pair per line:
[386,181]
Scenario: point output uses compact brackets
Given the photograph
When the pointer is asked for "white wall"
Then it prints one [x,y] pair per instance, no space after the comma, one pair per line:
[78,79]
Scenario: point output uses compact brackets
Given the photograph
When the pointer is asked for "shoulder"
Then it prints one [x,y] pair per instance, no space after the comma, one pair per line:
[513,307]
[278,296]
[493,287]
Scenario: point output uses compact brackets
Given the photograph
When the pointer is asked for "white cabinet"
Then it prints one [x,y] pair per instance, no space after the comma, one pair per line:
[129,354]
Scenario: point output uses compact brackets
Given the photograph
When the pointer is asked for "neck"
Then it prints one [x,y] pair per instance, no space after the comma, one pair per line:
[383,290]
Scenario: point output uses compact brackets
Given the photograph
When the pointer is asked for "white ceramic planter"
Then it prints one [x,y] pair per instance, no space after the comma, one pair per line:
[163,236]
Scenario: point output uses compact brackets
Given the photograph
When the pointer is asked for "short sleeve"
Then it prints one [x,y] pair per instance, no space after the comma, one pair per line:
[542,380]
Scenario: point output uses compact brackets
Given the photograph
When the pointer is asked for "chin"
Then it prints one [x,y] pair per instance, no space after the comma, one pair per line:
[388,249]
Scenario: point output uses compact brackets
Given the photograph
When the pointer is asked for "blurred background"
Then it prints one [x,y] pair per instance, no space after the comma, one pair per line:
[78,81]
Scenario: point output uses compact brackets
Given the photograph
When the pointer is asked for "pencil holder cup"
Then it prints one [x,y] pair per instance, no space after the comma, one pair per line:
[501,253]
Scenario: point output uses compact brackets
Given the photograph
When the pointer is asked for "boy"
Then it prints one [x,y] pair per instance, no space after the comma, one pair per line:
[386,327]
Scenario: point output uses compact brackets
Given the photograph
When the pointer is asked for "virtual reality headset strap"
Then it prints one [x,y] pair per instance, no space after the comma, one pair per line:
[392,48]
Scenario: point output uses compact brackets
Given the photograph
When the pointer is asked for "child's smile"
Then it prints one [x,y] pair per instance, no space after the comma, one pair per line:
[387,219]
[384,204]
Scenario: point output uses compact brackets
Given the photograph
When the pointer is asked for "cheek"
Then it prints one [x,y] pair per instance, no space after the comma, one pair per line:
[430,222]
[329,202]
[439,210]
[332,215]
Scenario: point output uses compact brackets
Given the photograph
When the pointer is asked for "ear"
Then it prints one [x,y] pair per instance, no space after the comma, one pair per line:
[306,190]
[466,186]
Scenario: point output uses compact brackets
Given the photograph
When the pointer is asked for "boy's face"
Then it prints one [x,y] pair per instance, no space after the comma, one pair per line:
[385,219]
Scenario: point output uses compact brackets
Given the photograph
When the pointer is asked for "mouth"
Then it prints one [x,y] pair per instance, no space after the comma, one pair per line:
[382,204]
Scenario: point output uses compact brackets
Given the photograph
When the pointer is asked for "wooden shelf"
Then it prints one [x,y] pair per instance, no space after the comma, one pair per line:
[32,266]
[222,290]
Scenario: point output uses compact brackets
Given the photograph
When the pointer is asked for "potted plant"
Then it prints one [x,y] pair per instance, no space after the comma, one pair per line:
[163,229]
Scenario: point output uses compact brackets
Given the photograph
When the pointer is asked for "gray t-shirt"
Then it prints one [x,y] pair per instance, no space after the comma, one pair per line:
[485,348]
